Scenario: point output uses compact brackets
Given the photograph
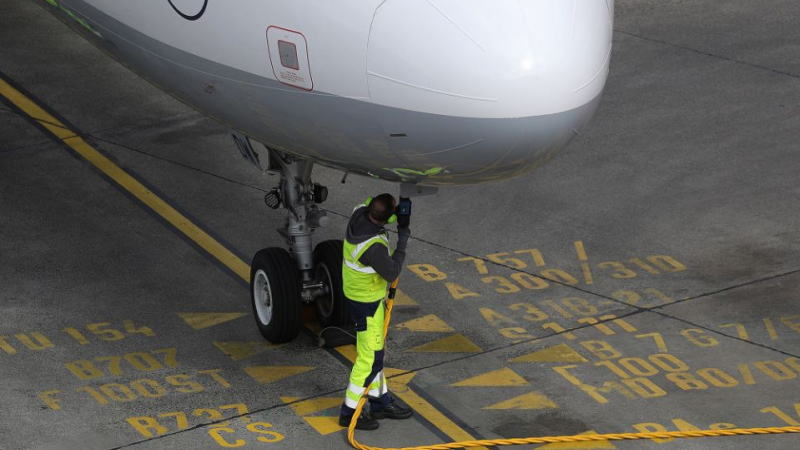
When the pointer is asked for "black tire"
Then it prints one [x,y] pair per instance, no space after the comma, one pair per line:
[331,307]
[274,272]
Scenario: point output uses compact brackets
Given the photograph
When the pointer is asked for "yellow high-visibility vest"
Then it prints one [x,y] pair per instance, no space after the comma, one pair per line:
[362,283]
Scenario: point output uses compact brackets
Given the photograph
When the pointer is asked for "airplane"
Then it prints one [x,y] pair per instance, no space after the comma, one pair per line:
[426,93]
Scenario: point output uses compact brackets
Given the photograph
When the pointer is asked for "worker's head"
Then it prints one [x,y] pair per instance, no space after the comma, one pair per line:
[381,209]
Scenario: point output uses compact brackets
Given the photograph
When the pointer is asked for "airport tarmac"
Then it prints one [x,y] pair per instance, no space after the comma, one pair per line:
[646,279]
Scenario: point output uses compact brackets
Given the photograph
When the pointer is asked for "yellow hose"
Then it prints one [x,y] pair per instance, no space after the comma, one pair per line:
[578,438]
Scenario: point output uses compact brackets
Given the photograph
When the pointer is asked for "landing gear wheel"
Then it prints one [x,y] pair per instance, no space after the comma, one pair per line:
[275,294]
[331,307]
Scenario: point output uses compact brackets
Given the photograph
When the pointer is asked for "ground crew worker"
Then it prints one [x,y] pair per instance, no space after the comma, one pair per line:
[367,270]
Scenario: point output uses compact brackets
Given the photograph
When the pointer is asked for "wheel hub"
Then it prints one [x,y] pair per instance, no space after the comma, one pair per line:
[325,299]
[262,293]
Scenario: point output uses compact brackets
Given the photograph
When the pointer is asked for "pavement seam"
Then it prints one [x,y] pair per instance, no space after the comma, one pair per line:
[94,137]
[705,53]
[659,310]
[177,163]
[91,134]
[43,141]
[737,338]
[729,288]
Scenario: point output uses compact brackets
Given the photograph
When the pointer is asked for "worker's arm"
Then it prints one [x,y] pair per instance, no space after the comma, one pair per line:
[387,266]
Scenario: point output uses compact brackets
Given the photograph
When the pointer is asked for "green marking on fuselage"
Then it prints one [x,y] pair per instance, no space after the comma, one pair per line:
[402,172]
[74,16]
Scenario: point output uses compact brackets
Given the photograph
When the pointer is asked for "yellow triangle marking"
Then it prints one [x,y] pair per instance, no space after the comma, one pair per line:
[238,350]
[501,377]
[399,384]
[313,405]
[325,424]
[457,343]
[430,323]
[531,400]
[561,353]
[198,321]
[401,299]
[578,445]
[269,374]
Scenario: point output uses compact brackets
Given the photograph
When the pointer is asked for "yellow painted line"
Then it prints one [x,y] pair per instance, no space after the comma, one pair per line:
[126,181]
[192,231]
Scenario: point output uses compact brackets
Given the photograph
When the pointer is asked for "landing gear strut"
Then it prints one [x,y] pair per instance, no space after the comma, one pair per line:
[282,281]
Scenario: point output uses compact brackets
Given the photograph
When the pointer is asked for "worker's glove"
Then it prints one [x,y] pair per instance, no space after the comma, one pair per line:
[403,234]
[403,221]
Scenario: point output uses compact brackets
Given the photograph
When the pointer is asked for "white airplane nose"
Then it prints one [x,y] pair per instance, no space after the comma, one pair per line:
[489,58]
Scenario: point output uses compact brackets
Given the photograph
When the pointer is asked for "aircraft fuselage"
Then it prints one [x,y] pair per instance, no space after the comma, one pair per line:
[434,92]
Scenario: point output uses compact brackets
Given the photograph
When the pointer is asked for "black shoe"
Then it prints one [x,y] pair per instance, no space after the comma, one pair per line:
[394,410]
[364,422]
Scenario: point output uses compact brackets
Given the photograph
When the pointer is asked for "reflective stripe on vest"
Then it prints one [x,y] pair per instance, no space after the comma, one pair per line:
[359,267]
[354,263]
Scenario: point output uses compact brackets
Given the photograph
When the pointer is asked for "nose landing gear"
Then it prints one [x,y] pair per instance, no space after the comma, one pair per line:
[282,281]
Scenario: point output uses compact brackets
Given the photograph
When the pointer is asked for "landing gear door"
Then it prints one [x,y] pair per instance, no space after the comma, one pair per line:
[288,55]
